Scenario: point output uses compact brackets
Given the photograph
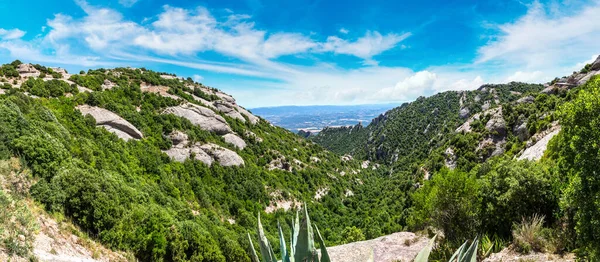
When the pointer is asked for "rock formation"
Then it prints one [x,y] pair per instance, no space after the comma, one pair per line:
[235,140]
[202,117]
[112,122]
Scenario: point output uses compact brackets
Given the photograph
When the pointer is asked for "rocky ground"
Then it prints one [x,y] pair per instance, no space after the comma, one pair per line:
[401,246]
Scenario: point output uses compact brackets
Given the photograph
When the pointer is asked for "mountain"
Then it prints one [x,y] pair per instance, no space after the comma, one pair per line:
[314,118]
[165,168]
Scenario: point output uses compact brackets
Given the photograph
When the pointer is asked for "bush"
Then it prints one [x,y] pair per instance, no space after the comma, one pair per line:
[528,235]
[450,202]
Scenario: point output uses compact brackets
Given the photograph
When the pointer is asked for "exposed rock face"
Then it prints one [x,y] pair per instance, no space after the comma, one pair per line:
[27,70]
[526,99]
[179,139]
[450,160]
[202,117]
[112,122]
[252,118]
[229,109]
[466,126]
[202,101]
[402,246]
[536,151]
[107,84]
[235,140]
[496,123]
[521,131]
[596,64]
[464,112]
[224,156]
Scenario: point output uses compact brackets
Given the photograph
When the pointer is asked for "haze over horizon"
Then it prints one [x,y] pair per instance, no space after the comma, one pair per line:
[273,53]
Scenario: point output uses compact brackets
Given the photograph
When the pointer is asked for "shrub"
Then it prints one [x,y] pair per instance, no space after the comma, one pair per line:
[527,235]
[450,202]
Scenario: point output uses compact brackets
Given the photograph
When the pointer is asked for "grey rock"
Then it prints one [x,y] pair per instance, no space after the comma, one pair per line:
[388,248]
[497,123]
[526,99]
[179,139]
[224,156]
[228,109]
[521,131]
[450,160]
[536,151]
[112,122]
[202,117]
[235,140]
[596,64]
[464,112]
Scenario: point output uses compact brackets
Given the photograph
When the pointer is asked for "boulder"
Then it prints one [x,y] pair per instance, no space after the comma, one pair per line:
[201,116]
[112,122]
[107,85]
[401,246]
[159,90]
[225,97]
[224,156]
[450,158]
[235,140]
[252,118]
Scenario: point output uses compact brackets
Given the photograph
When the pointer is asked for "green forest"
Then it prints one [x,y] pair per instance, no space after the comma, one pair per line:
[131,196]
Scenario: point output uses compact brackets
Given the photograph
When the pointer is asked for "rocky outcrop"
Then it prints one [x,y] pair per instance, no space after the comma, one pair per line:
[235,140]
[159,90]
[229,110]
[224,156]
[201,116]
[536,151]
[464,112]
[521,131]
[525,99]
[252,135]
[107,85]
[202,101]
[450,158]
[466,126]
[27,70]
[112,122]
[402,246]
[496,124]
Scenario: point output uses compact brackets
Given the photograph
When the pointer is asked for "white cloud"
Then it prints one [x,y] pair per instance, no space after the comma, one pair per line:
[408,88]
[127,3]
[344,31]
[197,78]
[11,34]
[372,44]
[545,38]
[528,77]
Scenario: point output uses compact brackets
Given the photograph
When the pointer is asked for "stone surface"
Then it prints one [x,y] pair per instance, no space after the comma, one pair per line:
[464,112]
[521,131]
[228,109]
[235,140]
[201,116]
[536,151]
[224,156]
[112,122]
[27,70]
[402,246]
[496,122]
[525,99]
[160,90]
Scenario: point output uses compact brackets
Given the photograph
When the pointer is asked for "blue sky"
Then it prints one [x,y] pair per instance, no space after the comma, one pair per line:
[304,52]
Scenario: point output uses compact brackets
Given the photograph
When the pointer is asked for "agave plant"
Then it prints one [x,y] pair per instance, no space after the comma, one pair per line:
[463,254]
[302,244]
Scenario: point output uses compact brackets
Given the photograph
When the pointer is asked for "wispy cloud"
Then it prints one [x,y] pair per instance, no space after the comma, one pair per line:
[128,3]
[11,34]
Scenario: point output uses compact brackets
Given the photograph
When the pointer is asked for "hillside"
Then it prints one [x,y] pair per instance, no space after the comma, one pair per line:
[169,169]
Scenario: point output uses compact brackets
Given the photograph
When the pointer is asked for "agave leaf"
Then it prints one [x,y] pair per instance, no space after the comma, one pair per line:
[253,256]
[284,253]
[296,228]
[305,247]
[291,254]
[471,254]
[423,255]
[458,252]
[324,254]
[265,247]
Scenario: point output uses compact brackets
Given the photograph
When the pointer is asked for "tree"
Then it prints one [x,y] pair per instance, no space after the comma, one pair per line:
[450,202]
[577,151]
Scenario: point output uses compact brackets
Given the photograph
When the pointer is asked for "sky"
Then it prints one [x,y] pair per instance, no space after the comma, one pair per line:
[311,52]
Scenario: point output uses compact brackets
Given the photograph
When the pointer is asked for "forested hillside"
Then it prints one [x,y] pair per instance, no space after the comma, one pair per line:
[169,169]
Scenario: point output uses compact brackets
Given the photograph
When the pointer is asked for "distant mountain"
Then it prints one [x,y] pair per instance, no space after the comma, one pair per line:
[315,118]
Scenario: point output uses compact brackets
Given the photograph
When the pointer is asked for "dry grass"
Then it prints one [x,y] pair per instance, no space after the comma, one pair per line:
[528,235]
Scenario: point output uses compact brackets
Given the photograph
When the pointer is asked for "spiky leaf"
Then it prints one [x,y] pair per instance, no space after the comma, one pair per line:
[458,253]
[305,247]
[471,254]
[324,254]
[284,255]
[423,255]
[265,247]
[253,254]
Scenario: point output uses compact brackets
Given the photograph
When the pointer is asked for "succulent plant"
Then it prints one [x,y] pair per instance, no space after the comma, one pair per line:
[462,254]
[302,244]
